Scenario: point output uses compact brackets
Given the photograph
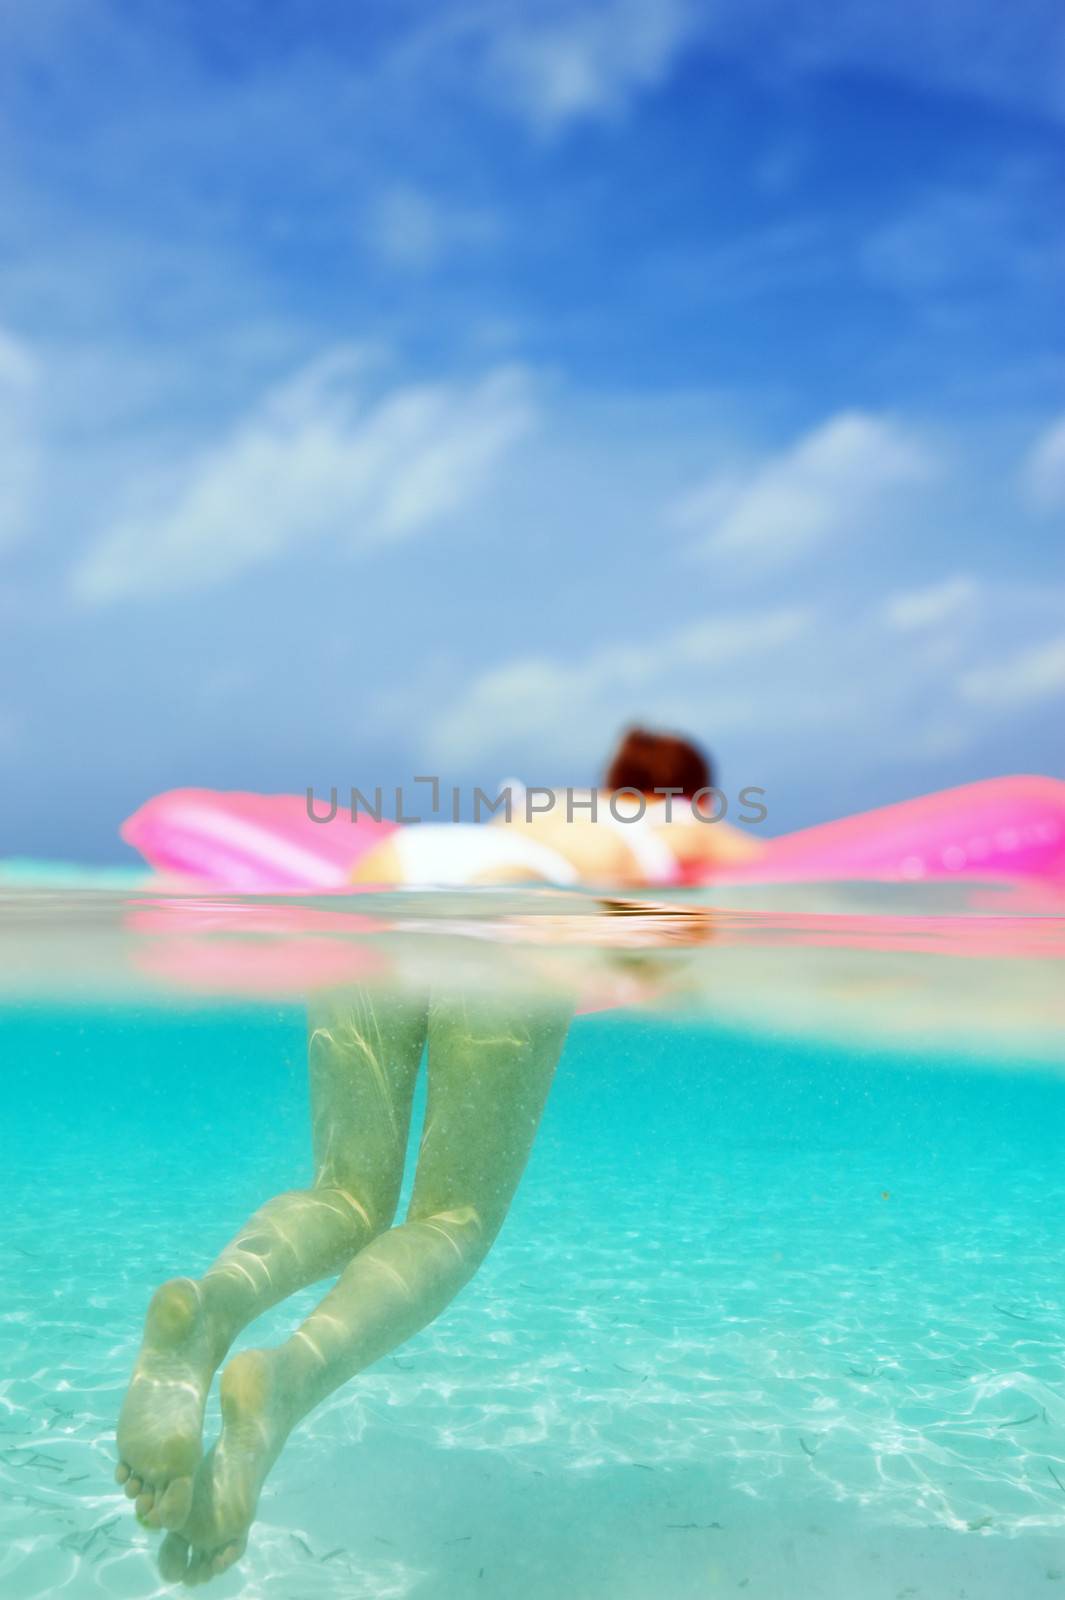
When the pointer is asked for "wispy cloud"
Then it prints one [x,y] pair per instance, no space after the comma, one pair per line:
[557,64]
[951,238]
[912,610]
[1006,55]
[19,441]
[410,228]
[10,729]
[315,459]
[556,710]
[792,691]
[1024,678]
[832,482]
[1043,472]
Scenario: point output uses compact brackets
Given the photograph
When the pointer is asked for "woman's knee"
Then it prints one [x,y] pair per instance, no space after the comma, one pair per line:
[463,1230]
[368,1211]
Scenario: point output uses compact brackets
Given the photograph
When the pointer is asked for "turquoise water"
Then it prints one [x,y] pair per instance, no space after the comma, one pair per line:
[771,1313]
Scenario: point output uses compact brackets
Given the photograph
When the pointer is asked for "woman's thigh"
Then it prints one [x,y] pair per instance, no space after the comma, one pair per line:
[364,1050]
[491,1063]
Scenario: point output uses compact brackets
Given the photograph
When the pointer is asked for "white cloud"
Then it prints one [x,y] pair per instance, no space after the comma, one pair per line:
[409,229]
[315,459]
[994,233]
[783,693]
[1007,55]
[1043,474]
[558,64]
[406,228]
[19,437]
[562,709]
[555,62]
[831,483]
[10,729]
[930,607]
[17,366]
[1022,679]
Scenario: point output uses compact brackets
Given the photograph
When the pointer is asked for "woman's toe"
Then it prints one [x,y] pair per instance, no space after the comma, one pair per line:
[225,1558]
[199,1569]
[173,1558]
[172,1507]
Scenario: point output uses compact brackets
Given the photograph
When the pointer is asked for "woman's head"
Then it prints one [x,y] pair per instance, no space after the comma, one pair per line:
[647,761]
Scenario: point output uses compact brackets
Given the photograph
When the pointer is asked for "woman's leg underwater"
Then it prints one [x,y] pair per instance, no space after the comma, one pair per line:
[363,1057]
[490,1069]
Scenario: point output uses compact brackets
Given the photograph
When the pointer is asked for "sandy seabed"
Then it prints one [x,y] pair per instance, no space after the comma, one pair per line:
[749,1329]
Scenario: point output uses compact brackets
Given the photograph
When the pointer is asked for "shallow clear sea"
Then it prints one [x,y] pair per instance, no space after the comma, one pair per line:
[778,1306]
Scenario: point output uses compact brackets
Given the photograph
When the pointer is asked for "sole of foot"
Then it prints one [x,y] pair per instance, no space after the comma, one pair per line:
[228,1481]
[159,1428]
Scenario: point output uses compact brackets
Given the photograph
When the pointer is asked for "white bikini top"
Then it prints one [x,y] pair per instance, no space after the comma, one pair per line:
[645,835]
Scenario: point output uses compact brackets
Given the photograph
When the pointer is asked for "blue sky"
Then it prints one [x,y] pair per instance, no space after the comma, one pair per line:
[407,386]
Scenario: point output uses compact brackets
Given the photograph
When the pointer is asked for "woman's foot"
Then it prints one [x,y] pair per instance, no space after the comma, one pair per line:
[162,1415]
[255,1425]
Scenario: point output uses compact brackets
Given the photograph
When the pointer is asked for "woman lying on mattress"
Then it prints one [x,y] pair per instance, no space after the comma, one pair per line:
[654,822]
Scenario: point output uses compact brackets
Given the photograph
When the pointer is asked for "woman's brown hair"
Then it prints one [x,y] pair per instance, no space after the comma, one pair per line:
[647,761]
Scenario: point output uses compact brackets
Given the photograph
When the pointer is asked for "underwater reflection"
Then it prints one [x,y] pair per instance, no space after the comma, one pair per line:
[491,1061]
